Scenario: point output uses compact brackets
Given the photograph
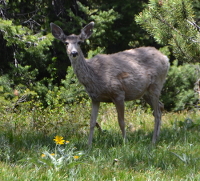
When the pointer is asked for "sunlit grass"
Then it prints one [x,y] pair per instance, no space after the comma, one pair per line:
[25,136]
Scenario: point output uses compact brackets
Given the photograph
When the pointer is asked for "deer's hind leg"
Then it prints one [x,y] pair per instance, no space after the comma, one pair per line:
[153,100]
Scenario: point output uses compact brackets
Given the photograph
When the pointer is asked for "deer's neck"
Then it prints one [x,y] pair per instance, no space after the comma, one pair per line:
[86,75]
[81,69]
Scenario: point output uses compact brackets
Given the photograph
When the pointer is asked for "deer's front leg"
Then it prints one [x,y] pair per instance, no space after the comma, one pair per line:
[93,123]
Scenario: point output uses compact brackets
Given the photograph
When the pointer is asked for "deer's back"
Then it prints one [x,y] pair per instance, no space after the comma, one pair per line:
[141,58]
[129,72]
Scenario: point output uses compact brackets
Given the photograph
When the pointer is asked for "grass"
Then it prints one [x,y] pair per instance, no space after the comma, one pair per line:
[26,135]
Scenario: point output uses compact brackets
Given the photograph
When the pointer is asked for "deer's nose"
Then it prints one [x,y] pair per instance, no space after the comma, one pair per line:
[74,53]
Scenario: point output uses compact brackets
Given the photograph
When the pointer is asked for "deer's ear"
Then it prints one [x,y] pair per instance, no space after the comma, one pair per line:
[86,32]
[57,32]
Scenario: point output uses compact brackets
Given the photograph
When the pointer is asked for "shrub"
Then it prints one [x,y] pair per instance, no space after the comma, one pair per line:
[178,92]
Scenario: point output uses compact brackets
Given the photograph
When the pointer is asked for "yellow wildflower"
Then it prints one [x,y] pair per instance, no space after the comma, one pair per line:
[76,157]
[59,140]
[43,155]
[67,142]
[52,154]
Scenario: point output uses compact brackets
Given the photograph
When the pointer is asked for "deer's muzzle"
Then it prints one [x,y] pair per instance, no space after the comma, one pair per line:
[74,54]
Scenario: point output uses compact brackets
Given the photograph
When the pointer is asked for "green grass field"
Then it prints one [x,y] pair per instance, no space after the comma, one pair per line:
[28,151]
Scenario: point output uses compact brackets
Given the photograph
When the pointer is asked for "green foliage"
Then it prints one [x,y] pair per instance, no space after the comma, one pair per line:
[72,90]
[178,93]
[29,48]
[6,92]
[18,88]
[67,93]
[115,28]
[23,75]
[172,23]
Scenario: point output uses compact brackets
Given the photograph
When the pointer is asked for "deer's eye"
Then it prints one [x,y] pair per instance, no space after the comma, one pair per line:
[79,42]
[66,43]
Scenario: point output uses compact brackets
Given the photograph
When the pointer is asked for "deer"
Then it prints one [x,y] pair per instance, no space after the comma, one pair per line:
[124,76]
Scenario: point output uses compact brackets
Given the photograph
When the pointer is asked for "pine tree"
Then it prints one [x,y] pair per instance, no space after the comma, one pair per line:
[172,24]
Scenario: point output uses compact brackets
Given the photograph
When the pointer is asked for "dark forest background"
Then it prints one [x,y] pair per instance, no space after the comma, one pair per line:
[34,66]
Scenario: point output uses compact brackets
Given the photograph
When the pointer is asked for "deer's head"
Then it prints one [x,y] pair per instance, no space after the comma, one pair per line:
[72,42]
